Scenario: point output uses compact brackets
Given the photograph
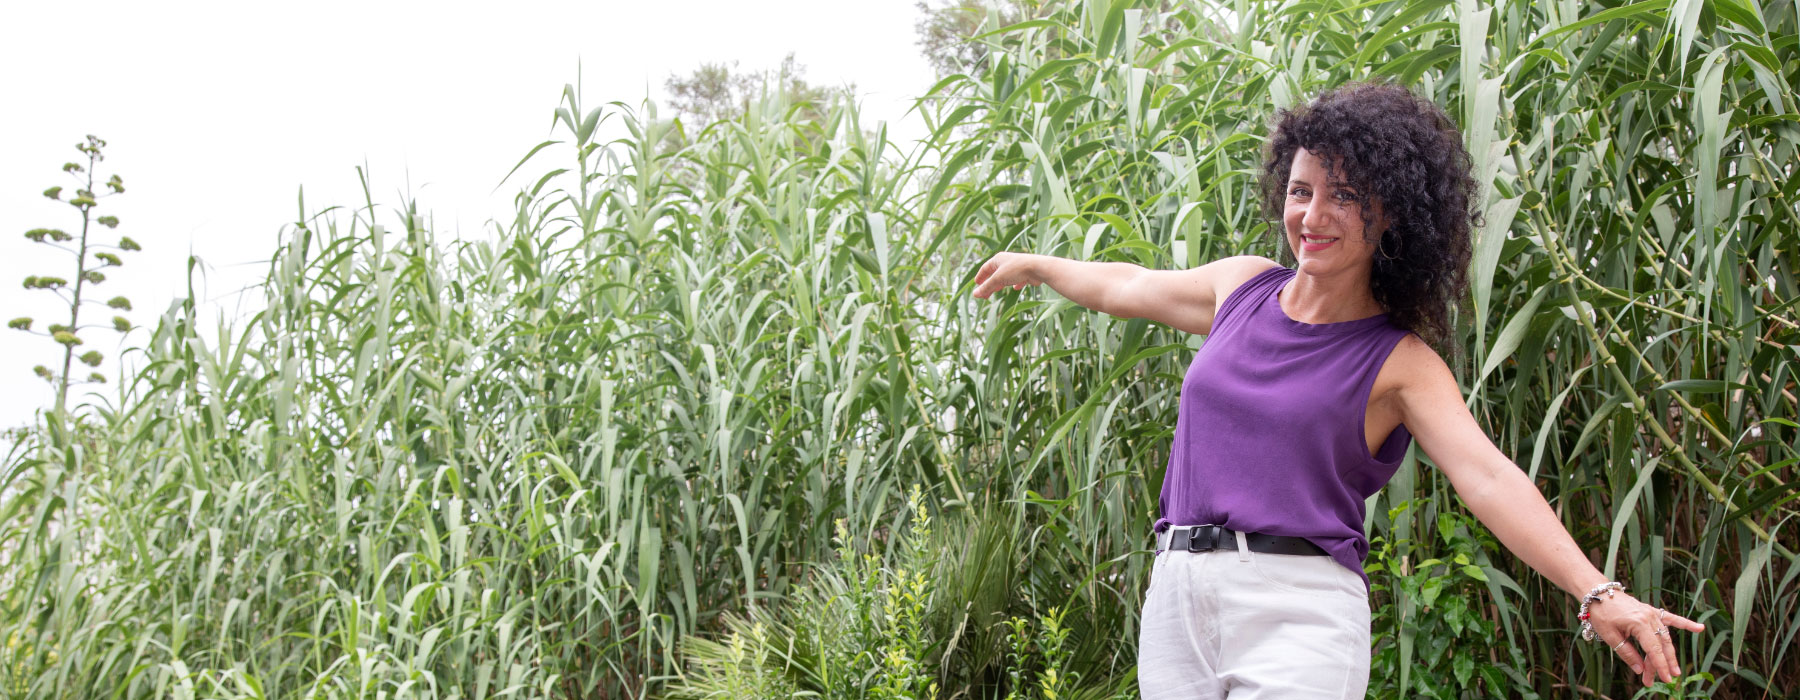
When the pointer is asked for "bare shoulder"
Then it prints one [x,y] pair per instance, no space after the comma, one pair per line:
[1415,377]
[1184,299]
[1227,274]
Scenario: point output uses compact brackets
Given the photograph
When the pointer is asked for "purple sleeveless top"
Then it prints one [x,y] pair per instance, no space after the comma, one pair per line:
[1269,437]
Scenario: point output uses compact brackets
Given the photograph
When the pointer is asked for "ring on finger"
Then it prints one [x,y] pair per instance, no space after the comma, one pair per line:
[1620,644]
[1662,630]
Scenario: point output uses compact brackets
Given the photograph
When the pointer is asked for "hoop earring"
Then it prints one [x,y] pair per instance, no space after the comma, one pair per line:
[1381,247]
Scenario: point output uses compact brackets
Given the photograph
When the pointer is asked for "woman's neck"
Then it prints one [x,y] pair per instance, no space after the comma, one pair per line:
[1334,299]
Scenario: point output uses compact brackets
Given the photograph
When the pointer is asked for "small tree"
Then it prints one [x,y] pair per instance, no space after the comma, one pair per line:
[716,93]
[90,260]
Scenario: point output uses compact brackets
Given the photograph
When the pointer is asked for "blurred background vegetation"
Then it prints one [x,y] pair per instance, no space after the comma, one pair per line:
[656,437]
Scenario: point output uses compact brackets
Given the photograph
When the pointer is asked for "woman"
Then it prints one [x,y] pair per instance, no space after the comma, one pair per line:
[1301,404]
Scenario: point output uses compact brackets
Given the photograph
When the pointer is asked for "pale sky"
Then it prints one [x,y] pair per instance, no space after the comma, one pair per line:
[215,114]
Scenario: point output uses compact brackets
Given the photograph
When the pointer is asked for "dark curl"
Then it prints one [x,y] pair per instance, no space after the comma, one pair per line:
[1403,151]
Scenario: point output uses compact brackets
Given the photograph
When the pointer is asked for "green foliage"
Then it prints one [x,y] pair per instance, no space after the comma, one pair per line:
[536,463]
[1431,638]
[721,92]
[862,628]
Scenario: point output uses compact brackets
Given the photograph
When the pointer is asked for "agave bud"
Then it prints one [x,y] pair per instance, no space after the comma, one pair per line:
[96,377]
[91,358]
[66,338]
[58,328]
[42,371]
[93,276]
[108,258]
[120,324]
[117,185]
[109,221]
[54,192]
[126,243]
[73,167]
[37,234]
[57,234]
[35,282]
[83,201]
[120,303]
[22,323]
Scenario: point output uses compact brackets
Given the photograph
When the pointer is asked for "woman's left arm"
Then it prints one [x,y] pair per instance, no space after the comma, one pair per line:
[1504,499]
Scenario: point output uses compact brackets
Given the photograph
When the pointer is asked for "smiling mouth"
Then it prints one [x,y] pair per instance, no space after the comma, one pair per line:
[1317,240]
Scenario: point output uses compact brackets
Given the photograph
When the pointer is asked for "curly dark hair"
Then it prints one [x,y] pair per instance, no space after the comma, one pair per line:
[1390,145]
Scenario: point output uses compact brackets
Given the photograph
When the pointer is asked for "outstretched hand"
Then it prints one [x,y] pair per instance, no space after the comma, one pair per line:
[1005,270]
[1640,635]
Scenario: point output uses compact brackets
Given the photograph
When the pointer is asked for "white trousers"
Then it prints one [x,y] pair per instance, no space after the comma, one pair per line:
[1245,625]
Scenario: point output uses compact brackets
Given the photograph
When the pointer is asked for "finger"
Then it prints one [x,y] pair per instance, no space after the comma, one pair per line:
[1677,621]
[1629,654]
[1654,662]
[986,271]
[1668,650]
[988,287]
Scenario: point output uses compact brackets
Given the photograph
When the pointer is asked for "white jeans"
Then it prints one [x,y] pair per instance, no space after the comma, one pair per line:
[1242,625]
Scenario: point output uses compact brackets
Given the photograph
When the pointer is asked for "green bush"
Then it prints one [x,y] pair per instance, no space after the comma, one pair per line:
[536,462]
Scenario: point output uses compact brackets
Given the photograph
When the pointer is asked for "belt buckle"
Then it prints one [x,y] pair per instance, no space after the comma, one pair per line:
[1203,538]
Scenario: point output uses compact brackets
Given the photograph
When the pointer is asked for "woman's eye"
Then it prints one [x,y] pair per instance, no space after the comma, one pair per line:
[1299,192]
[1346,198]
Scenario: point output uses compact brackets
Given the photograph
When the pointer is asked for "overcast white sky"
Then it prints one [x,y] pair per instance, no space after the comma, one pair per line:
[216,114]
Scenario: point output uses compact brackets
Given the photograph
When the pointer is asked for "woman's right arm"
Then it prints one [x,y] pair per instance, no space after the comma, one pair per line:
[1183,299]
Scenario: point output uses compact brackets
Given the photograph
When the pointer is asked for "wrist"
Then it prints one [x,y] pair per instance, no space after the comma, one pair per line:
[1040,268]
[1585,583]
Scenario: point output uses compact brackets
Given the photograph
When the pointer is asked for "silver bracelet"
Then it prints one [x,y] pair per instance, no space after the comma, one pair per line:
[1607,589]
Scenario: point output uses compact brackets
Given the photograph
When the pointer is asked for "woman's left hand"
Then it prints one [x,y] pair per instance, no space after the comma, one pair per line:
[1640,634]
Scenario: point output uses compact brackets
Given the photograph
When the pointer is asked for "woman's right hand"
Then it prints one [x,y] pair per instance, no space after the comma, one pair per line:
[1006,270]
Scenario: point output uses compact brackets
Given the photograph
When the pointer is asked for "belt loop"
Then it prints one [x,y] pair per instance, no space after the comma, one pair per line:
[1243,547]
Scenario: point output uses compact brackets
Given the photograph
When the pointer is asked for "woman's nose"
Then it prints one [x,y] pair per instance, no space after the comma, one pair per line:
[1312,217]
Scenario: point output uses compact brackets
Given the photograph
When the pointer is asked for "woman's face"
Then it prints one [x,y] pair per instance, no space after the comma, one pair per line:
[1324,222]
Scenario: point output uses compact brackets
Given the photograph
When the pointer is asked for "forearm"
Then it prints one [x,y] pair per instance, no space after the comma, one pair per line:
[1512,508]
[1095,285]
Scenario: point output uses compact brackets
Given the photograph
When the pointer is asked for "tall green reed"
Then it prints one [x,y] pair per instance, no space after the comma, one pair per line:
[534,463]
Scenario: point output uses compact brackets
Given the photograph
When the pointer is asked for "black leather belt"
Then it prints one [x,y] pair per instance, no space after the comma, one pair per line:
[1206,538]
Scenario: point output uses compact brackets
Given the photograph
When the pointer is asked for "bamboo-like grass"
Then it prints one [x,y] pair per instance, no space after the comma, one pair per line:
[532,464]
